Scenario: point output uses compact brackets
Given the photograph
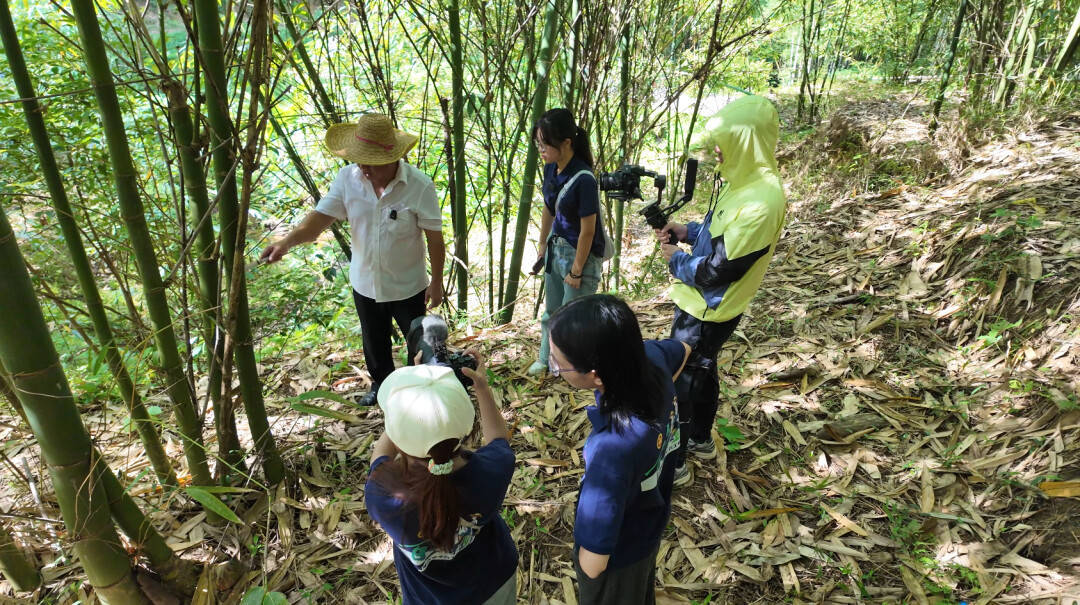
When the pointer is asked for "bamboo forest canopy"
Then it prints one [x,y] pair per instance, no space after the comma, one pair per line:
[151,150]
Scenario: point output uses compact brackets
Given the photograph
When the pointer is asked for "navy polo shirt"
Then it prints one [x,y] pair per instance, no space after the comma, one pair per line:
[582,199]
[483,556]
[625,496]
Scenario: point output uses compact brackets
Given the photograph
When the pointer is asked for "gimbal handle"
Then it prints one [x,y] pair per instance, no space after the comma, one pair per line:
[688,193]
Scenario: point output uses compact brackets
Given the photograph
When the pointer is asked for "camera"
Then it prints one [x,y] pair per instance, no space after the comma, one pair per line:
[428,335]
[625,183]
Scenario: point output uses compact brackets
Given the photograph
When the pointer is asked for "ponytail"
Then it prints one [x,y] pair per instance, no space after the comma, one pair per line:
[581,147]
[434,496]
[557,125]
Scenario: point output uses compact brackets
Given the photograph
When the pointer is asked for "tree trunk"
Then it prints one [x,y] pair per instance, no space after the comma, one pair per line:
[17,566]
[131,207]
[223,143]
[26,350]
[457,124]
[528,179]
[958,26]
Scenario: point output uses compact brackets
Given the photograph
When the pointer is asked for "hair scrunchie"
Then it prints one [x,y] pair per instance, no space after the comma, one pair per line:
[579,131]
[440,469]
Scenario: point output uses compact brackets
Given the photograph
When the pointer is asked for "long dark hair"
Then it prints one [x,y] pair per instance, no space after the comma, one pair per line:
[557,125]
[601,333]
[434,497]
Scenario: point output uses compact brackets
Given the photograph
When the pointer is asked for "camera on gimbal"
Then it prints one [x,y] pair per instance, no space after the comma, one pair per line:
[428,335]
[625,184]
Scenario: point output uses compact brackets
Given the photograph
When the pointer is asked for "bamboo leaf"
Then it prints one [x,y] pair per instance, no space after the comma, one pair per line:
[324,412]
[211,502]
[332,396]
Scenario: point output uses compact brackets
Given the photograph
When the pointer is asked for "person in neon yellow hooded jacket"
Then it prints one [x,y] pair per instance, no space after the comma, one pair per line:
[724,269]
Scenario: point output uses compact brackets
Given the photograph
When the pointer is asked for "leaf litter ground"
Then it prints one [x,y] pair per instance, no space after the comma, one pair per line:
[899,412]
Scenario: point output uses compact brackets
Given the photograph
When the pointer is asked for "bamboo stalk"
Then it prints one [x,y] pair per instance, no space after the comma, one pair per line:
[543,66]
[225,160]
[28,353]
[624,143]
[180,574]
[457,125]
[33,113]
[958,26]
[16,565]
[131,207]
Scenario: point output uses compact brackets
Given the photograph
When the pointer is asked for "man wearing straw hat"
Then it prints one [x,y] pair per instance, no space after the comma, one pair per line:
[388,203]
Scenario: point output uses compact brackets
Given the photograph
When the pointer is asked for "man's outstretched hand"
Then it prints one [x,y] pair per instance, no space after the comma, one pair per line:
[273,252]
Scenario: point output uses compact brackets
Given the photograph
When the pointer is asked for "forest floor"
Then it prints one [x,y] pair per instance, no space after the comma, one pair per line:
[899,415]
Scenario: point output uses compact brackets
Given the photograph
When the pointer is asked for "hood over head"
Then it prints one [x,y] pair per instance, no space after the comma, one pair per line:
[746,132]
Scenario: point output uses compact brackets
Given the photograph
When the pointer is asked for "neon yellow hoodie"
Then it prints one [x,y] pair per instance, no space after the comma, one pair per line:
[719,278]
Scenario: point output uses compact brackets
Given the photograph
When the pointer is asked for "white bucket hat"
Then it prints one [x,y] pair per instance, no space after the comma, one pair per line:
[423,405]
[372,140]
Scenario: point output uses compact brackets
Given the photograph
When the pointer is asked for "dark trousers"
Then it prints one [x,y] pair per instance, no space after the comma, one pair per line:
[698,387]
[634,584]
[377,330]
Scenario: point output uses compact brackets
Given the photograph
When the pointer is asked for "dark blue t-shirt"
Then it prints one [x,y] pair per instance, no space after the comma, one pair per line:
[625,496]
[483,557]
[582,199]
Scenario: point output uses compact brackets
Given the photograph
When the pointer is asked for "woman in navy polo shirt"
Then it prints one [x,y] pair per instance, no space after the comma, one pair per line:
[571,232]
[439,503]
[625,496]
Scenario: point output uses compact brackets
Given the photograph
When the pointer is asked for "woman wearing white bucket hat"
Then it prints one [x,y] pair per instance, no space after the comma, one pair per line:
[388,204]
[439,503]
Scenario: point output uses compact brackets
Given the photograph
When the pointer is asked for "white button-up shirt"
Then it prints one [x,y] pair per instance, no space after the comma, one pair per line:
[387,243]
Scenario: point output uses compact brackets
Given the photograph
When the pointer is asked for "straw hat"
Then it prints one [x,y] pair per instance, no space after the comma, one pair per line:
[372,140]
[424,405]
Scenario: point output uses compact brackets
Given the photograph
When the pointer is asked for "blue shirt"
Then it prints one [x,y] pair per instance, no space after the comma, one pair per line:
[582,199]
[625,496]
[483,557]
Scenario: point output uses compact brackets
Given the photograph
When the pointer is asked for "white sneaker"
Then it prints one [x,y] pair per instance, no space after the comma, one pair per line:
[538,368]
[682,475]
[705,450]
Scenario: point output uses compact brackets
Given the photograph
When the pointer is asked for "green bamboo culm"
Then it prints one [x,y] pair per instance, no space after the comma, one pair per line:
[16,565]
[39,382]
[141,420]
[223,143]
[528,179]
[206,256]
[131,207]
[460,213]
[179,574]
[8,392]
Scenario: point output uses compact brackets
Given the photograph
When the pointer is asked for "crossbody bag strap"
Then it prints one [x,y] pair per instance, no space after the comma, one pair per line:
[566,187]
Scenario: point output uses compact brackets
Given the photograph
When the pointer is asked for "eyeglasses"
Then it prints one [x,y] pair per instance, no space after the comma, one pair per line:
[555,370]
[540,145]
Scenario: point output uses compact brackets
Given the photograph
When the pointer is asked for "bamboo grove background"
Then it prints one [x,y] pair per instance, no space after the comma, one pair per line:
[152,148]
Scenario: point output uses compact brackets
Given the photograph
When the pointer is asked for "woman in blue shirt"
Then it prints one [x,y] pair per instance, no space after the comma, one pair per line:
[625,496]
[571,232]
[438,502]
